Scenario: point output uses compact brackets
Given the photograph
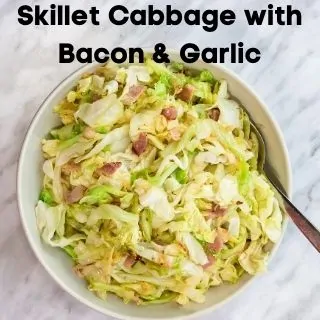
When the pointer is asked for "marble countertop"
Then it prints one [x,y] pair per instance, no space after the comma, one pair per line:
[287,78]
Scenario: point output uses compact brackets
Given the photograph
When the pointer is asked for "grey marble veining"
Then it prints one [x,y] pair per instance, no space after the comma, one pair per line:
[287,78]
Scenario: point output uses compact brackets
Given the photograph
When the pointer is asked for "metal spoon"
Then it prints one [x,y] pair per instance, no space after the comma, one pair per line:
[305,226]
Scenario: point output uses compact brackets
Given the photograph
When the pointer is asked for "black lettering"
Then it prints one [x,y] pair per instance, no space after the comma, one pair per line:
[39,16]
[94,13]
[155,12]
[138,17]
[192,56]
[115,53]
[113,11]
[173,12]
[240,52]
[66,54]
[88,55]
[53,14]
[233,52]
[60,15]
[295,12]
[223,52]
[270,14]
[79,17]
[132,54]
[100,59]
[211,23]
[227,17]
[212,58]
[66,15]
[253,51]
[192,21]
[255,17]
[26,18]
[280,12]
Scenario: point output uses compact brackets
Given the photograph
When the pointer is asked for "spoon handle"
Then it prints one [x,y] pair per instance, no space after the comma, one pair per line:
[305,226]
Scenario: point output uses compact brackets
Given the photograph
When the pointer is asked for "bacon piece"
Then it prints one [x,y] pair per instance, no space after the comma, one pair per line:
[170,113]
[217,244]
[130,261]
[140,145]
[186,93]
[71,167]
[96,97]
[211,262]
[133,94]
[75,194]
[217,211]
[214,114]
[221,238]
[116,202]
[108,169]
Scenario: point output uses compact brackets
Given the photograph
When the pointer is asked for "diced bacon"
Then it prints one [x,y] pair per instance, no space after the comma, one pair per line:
[217,211]
[186,93]
[133,94]
[71,167]
[108,169]
[217,244]
[89,133]
[214,114]
[175,134]
[116,202]
[211,261]
[170,113]
[130,261]
[140,145]
[75,194]
[95,97]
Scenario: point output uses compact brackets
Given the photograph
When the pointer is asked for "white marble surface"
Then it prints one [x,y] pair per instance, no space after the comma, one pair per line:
[287,78]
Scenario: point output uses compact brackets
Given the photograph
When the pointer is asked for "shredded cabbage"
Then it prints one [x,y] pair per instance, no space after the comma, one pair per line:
[156,199]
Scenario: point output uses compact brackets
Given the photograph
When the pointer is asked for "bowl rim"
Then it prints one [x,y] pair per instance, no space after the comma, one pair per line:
[92,305]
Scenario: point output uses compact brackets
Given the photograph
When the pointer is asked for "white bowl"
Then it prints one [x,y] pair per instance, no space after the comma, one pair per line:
[58,264]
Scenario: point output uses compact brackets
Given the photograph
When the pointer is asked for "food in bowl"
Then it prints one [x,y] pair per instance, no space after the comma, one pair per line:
[151,185]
